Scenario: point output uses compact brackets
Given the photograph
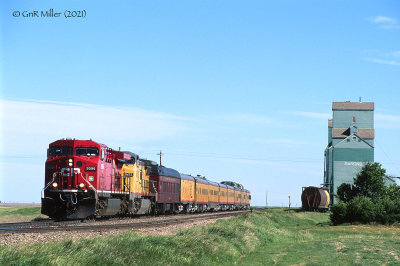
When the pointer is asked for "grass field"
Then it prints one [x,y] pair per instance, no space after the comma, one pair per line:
[264,238]
[19,214]
[309,239]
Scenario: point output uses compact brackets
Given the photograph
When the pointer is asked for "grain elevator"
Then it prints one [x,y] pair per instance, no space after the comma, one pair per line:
[350,143]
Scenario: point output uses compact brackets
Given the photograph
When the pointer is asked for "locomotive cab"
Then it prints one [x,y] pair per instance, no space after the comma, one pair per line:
[73,177]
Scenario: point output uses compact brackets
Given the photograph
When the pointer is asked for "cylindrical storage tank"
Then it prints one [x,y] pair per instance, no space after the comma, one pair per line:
[314,198]
[325,199]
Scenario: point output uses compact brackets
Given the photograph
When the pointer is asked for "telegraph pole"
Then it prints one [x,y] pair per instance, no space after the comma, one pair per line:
[160,156]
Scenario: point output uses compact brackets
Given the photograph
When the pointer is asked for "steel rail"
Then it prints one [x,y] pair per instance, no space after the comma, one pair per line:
[133,223]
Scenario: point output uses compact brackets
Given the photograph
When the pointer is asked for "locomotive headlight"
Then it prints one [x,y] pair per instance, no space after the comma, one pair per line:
[81,185]
[55,185]
[70,162]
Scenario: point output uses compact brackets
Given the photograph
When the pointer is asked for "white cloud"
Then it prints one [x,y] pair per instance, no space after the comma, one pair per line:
[385,22]
[396,54]
[137,111]
[384,58]
[33,124]
[313,114]
[28,180]
[383,61]
[387,121]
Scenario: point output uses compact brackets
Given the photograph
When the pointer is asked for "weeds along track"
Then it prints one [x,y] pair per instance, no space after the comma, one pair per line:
[111,223]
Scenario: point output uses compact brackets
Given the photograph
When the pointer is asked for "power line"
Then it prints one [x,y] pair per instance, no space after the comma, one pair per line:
[395,164]
[213,156]
[233,157]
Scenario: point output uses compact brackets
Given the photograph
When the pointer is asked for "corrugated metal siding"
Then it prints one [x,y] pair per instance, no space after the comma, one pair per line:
[344,119]
[345,172]
[353,142]
[354,155]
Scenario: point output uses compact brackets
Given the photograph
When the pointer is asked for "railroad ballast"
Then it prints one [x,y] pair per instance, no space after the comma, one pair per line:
[84,178]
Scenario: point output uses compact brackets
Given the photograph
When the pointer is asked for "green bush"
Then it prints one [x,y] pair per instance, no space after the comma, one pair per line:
[338,213]
[393,192]
[370,182]
[345,192]
[361,209]
[368,200]
[388,210]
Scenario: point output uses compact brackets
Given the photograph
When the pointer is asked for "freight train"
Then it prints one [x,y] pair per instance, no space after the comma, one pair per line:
[84,178]
[315,199]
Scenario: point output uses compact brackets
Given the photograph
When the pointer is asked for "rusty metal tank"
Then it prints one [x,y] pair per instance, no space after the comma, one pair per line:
[315,199]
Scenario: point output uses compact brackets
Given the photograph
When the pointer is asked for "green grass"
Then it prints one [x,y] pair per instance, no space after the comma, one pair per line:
[23,211]
[307,238]
[267,237]
[20,214]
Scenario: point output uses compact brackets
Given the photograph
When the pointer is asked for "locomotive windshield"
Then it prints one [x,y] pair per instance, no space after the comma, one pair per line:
[87,151]
[58,150]
[131,161]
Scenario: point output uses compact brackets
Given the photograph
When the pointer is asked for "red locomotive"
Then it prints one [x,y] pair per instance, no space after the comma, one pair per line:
[86,179]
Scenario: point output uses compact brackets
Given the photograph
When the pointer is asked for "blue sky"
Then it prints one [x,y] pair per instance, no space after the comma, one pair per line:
[233,90]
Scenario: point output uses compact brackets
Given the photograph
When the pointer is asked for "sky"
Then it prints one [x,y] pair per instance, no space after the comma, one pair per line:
[232,90]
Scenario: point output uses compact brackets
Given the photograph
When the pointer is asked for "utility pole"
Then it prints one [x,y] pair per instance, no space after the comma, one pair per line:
[289,201]
[160,156]
[266,199]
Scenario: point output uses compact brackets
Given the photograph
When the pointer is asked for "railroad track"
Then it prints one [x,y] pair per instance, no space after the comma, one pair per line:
[124,223]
